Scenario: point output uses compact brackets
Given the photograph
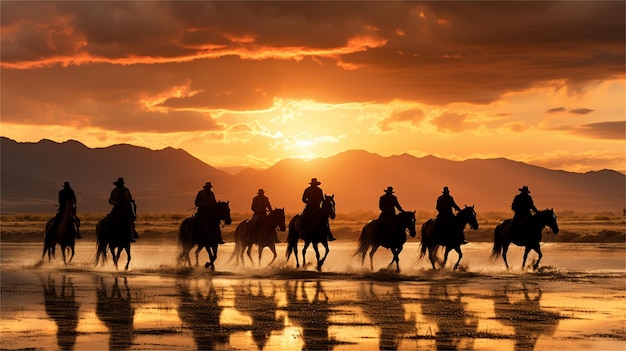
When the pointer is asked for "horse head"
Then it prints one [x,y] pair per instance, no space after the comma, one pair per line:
[278,217]
[548,217]
[328,206]
[223,212]
[468,216]
[406,220]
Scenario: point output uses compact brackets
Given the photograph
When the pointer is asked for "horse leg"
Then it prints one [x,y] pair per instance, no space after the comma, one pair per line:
[538,250]
[445,256]
[71,253]
[212,252]
[396,258]
[317,256]
[261,247]
[432,255]
[249,253]
[505,249]
[113,256]
[526,251]
[197,253]
[273,249]
[372,252]
[458,251]
[325,244]
[306,245]
[127,248]
[63,252]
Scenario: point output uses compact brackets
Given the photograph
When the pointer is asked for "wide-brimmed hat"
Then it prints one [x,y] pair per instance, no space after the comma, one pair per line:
[261,191]
[389,190]
[66,184]
[119,181]
[207,185]
[445,190]
[524,189]
[314,181]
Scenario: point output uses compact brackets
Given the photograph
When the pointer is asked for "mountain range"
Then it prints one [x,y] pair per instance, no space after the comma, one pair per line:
[167,180]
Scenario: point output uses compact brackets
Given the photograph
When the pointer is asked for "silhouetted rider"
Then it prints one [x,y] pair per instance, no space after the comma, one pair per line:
[522,205]
[121,198]
[445,216]
[206,203]
[260,208]
[313,197]
[387,204]
[66,195]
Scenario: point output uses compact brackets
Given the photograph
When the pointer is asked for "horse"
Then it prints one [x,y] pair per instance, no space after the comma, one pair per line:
[115,232]
[450,240]
[393,240]
[317,233]
[530,235]
[264,236]
[64,235]
[206,238]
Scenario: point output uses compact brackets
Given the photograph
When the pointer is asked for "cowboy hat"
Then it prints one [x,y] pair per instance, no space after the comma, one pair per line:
[207,185]
[119,181]
[524,189]
[314,181]
[261,191]
[389,190]
[445,190]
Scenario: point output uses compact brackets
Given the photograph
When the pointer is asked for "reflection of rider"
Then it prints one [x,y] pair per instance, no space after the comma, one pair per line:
[260,208]
[120,198]
[65,195]
[387,204]
[313,197]
[445,216]
[522,205]
[206,203]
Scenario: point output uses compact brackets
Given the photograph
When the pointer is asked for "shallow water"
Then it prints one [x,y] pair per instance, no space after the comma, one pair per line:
[575,301]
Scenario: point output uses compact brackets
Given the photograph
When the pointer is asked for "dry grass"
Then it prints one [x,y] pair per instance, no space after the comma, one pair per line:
[575,226]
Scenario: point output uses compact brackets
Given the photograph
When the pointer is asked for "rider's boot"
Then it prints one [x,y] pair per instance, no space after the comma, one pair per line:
[331,237]
[219,238]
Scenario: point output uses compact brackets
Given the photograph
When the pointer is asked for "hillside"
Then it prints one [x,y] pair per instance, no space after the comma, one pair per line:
[167,180]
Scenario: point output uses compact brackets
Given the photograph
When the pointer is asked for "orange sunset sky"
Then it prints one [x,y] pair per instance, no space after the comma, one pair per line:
[250,83]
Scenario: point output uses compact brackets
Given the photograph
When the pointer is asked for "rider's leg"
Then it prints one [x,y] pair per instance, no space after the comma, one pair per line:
[330,234]
[77,224]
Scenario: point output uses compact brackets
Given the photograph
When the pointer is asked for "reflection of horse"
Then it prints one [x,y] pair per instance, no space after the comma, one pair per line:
[63,309]
[530,235]
[316,233]
[392,239]
[526,317]
[64,235]
[264,235]
[115,232]
[261,308]
[450,240]
[202,314]
[310,310]
[453,322]
[387,312]
[208,235]
[116,312]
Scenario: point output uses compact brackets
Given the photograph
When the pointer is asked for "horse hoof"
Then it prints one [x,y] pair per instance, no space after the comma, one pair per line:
[206,265]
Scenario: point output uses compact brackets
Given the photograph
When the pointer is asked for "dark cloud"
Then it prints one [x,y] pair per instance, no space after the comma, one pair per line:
[450,122]
[614,130]
[556,109]
[411,117]
[430,52]
[581,111]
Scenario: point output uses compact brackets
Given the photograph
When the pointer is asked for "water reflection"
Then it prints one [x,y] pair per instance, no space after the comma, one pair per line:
[116,312]
[309,309]
[62,308]
[384,306]
[454,324]
[201,311]
[525,315]
[261,306]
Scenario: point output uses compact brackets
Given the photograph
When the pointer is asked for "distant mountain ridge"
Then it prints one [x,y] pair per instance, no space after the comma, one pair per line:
[167,180]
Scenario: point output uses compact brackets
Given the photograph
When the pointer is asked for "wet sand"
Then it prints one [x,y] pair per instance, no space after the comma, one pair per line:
[575,301]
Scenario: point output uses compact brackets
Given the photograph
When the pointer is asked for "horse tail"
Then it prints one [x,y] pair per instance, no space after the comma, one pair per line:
[498,241]
[426,238]
[365,240]
[100,244]
[292,237]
